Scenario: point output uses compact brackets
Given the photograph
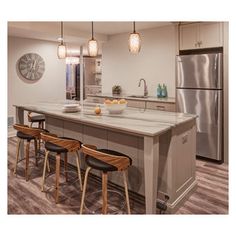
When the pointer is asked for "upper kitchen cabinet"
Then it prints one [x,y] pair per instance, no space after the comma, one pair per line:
[201,35]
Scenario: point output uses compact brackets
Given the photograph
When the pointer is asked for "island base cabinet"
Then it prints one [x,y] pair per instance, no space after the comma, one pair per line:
[176,172]
[177,165]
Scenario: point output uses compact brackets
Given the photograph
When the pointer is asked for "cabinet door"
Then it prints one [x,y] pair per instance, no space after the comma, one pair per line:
[201,35]
[188,36]
[210,35]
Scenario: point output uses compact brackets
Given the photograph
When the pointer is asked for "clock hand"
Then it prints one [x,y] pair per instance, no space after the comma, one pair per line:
[34,64]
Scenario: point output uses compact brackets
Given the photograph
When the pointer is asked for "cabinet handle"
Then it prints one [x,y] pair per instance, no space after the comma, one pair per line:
[162,108]
[199,43]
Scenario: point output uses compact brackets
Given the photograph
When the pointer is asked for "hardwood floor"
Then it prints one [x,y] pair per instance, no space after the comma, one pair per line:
[210,197]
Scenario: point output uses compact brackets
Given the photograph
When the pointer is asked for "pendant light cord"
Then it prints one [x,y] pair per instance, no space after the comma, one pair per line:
[92,31]
[62,39]
[134,26]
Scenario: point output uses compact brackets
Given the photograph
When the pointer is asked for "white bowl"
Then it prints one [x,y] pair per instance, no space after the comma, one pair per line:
[115,108]
[71,108]
[71,105]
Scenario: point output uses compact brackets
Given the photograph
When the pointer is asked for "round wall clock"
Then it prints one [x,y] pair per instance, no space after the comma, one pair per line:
[31,66]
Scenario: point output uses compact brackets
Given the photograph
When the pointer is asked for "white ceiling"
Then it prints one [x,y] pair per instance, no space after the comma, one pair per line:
[76,32]
[113,27]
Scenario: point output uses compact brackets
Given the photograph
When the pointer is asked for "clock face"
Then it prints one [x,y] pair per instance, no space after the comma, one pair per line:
[31,66]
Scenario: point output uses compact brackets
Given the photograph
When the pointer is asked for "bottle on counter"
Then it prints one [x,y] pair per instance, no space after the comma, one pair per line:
[164,91]
[159,91]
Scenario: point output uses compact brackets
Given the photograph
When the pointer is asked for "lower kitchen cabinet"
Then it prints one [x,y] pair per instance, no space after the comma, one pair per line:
[143,104]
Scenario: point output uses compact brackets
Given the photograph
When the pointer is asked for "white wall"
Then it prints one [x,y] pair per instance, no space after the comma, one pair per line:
[51,86]
[155,62]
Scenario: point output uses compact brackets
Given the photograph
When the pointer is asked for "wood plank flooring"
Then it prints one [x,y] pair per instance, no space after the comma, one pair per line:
[210,197]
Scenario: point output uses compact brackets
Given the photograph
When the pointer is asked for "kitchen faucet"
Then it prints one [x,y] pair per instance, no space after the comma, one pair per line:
[145,86]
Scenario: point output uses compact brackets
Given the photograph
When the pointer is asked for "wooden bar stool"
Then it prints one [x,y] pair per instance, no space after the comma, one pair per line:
[105,160]
[24,132]
[60,145]
[40,119]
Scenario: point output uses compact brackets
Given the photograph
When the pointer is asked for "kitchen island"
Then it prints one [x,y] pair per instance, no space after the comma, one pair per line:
[161,144]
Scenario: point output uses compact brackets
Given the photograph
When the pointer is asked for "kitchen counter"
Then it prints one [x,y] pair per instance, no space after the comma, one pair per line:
[161,144]
[149,98]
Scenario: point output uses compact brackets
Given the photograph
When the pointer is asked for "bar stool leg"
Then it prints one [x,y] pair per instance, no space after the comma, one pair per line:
[126,192]
[44,170]
[48,165]
[78,169]
[65,166]
[27,160]
[84,189]
[17,154]
[36,151]
[58,158]
[104,193]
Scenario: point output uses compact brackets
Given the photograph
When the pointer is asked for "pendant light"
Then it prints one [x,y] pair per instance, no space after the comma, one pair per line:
[92,46]
[134,41]
[61,49]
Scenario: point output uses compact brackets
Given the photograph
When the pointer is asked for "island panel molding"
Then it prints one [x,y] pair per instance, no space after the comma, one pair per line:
[31,66]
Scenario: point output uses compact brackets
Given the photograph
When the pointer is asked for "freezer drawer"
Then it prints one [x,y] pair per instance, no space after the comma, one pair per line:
[199,71]
[207,104]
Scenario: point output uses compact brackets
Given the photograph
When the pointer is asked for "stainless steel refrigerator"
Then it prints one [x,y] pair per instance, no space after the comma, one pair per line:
[199,90]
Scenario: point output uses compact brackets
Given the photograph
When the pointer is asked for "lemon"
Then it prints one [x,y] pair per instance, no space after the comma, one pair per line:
[114,101]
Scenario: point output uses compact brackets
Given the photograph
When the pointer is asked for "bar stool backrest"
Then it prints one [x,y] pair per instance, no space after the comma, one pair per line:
[70,144]
[29,116]
[120,162]
[35,132]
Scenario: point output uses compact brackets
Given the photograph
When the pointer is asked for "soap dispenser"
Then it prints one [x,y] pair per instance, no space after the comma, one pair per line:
[159,91]
[164,91]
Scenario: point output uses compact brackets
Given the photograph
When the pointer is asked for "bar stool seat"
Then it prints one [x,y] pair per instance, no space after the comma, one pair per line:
[56,148]
[38,118]
[105,160]
[101,165]
[22,135]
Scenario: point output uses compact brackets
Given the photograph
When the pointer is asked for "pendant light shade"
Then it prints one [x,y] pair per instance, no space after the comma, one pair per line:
[61,49]
[92,46]
[134,42]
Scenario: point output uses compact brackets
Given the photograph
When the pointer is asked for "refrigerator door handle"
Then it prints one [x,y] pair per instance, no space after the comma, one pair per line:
[219,124]
[216,108]
[219,82]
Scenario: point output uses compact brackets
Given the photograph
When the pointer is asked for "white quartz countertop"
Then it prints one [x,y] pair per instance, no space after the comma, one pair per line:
[132,120]
[148,99]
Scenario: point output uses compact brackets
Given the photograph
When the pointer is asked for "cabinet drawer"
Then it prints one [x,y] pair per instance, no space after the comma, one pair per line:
[161,106]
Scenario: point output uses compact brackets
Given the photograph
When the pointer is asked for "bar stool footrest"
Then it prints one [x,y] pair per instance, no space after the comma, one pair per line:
[116,202]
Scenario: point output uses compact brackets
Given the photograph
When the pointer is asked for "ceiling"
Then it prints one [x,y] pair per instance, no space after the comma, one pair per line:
[114,27]
[77,32]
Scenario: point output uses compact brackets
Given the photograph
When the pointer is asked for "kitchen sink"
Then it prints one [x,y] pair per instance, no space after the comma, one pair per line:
[138,96]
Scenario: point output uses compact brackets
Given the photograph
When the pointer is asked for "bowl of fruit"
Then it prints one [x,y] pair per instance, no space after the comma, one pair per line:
[115,106]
